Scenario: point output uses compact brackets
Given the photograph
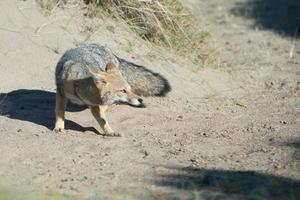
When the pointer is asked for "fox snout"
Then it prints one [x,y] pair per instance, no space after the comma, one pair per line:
[136,102]
[121,97]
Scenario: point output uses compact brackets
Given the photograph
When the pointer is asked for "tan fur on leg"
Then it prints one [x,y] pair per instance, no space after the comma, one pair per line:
[60,107]
[99,113]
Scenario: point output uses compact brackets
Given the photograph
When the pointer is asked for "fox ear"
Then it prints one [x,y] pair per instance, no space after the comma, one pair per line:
[98,79]
[110,67]
[98,76]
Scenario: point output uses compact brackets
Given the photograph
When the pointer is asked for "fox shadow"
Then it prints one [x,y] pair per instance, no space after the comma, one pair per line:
[280,16]
[196,182]
[37,106]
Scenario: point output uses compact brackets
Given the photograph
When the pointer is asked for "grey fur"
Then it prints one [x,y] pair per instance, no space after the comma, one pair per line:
[142,81]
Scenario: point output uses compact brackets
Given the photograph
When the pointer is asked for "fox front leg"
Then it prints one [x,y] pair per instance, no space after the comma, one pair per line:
[99,114]
[60,107]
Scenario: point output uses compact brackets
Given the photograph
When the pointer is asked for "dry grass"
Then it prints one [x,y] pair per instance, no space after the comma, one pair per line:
[166,23]
[49,4]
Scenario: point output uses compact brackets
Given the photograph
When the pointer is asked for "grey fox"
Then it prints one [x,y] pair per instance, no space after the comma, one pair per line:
[93,75]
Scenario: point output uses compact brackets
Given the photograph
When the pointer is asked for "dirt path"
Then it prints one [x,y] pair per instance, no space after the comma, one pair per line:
[229,132]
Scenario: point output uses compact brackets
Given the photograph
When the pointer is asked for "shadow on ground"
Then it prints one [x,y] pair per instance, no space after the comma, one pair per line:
[281,16]
[198,183]
[295,144]
[36,106]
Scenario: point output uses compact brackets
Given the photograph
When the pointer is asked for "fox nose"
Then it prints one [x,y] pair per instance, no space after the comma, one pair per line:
[140,100]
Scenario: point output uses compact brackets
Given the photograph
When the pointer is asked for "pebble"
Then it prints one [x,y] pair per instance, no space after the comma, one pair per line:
[74,189]
[278,165]
[283,122]
[146,153]
[64,180]
[264,150]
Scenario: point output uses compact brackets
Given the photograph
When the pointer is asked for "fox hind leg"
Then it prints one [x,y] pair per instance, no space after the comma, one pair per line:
[60,107]
[99,114]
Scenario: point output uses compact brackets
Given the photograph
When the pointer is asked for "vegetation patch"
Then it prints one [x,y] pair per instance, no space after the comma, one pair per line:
[166,23]
[49,4]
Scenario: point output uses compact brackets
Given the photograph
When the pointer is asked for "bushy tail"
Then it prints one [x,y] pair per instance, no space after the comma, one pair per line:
[143,81]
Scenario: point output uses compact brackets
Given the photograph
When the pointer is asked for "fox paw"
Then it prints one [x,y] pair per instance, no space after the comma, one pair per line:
[59,130]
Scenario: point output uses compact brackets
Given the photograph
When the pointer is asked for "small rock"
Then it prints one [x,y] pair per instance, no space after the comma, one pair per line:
[271,128]
[111,29]
[145,154]
[263,150]
[278,165]
[74,189]
[19,130]
[64,180]
[179,118]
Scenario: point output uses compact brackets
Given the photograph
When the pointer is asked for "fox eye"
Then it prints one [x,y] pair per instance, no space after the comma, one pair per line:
[124,91]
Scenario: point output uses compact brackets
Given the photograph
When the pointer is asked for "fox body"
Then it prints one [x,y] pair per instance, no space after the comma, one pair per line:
[93,75]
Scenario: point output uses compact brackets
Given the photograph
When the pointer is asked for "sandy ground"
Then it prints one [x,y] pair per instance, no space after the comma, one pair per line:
[228,131]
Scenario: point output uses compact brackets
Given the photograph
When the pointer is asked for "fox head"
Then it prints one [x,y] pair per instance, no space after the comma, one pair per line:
[113,88]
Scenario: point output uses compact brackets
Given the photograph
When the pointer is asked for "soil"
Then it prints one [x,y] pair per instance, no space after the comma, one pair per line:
[226,131]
